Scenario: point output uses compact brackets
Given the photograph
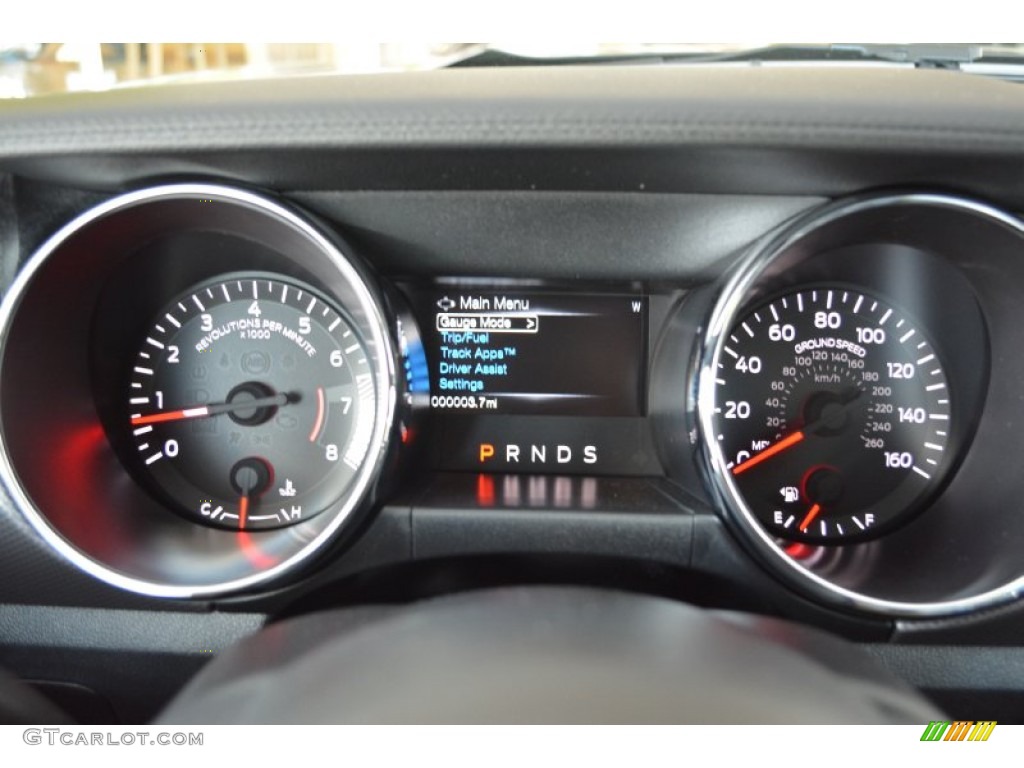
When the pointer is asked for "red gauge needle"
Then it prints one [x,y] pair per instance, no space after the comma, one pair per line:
[768,452]
[243,510]
[154,418]
[811,514]
[212,410]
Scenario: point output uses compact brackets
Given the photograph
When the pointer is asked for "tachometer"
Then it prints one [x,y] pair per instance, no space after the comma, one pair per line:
[833,414]
[251,402]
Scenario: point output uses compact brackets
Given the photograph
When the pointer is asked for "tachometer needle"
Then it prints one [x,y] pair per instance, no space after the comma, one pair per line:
[811,514]
[768,452]
[187,413]
[212,410]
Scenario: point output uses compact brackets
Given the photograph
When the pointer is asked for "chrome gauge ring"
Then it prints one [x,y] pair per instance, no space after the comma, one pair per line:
[838,390]
[222,385]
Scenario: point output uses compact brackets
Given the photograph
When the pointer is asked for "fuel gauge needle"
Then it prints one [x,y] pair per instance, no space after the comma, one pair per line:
[811,514]
[768,452]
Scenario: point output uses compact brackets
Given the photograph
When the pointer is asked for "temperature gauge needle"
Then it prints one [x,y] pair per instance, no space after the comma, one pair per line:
[212,410]
[768,452]
[243,510]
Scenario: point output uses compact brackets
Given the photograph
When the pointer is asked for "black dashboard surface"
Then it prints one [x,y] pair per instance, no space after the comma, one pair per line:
[634,178]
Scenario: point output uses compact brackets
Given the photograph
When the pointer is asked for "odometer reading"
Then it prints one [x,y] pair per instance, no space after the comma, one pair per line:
[251,403]
[833,414]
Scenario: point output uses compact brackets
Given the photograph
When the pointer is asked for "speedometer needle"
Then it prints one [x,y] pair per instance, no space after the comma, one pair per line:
[213,410]
[848,400]
[768,452]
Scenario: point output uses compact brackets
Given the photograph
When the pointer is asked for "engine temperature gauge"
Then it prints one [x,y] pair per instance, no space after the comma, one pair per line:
[251,402]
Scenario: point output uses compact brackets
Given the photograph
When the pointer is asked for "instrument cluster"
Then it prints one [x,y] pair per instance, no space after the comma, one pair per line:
[205,390]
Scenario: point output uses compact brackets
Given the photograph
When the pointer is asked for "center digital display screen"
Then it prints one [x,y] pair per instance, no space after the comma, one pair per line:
[541,352]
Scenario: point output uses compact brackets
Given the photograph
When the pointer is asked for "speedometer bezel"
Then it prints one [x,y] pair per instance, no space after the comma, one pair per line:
[731,299]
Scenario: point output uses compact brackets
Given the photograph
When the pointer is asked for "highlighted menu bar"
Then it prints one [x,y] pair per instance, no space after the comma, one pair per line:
[492,323]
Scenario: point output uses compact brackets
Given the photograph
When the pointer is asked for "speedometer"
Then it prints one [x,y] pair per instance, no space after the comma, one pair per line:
[833,414]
